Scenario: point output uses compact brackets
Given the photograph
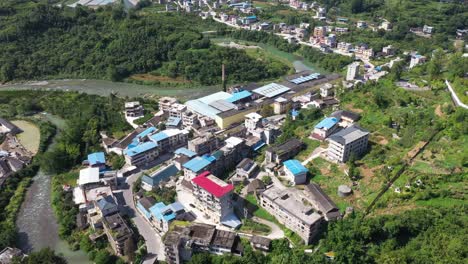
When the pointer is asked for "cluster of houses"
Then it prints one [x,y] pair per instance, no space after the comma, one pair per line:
[13,155]
[99,208]
[207,147]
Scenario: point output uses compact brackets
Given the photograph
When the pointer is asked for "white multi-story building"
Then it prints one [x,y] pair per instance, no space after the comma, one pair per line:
[177,110]
[214,198]
[345,47]
[287,207]
[252,121]
[416,60]
[134,109]
[344,143]
[353,71]
[165,103]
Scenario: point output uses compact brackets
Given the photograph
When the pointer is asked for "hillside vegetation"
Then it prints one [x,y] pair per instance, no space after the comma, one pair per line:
[40,40]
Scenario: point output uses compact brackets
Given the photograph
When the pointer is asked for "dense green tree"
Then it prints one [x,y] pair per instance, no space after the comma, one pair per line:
[44,256]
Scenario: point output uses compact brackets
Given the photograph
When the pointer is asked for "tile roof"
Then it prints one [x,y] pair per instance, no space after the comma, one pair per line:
[207,183]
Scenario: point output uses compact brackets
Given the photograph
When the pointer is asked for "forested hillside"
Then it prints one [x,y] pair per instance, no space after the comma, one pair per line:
[40,40]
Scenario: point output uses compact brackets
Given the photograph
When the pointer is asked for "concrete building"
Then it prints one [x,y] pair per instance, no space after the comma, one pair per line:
[326,90]
[342,144]
[182,242]
[142,154]
[162,215]
[214,198]
[353,71]
[284,151]
[151,182]
[246,168]
[8,127]
[206,143]
[321,202]
[280,105]
[295,172]
[289,209]
[325,128]
[319,32]
[416,60]
[165,103]
[134,109]
[117,232]
[252,121]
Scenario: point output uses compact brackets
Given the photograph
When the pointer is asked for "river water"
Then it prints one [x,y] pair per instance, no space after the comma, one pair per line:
[105,88]
[36,223]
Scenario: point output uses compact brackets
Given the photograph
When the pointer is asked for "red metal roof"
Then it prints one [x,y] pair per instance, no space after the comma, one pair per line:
[210,186]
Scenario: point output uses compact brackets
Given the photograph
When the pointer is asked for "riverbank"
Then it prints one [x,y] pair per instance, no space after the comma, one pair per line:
[36,223]
[105,88]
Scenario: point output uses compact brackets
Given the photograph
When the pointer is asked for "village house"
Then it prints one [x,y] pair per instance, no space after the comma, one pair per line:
[8,127]
[278,154]
[295,172]
[289,210]
[351,140]
[325,128]
[117,232]
[214,198]
[182,242]
[134,109]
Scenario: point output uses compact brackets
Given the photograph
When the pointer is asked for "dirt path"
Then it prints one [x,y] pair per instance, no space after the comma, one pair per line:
[438,111]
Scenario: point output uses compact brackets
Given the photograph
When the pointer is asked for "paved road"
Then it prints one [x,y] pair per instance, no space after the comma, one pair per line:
[276,232]
[315,154]
[153,241]
[455,98]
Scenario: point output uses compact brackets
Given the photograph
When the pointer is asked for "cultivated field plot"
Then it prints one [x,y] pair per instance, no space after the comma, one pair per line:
[30,138]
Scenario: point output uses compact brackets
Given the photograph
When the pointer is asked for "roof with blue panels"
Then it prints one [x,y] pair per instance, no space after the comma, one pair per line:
[173,121]
[295,167]
[197,164]
[140,148]
[96,158]
[239,96]
[166,213]
[327,123]
[185,151]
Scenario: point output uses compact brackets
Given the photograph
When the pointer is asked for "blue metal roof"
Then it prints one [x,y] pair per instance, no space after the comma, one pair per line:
[186,152]
[166,213]
[238,96]
[294,112]
[173,121]
[295,167]
[259,145]
[327,123]
[140,148]
[304,79]
[209,158]
[147,131]
[196,164]
[96,158]
[159,136]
